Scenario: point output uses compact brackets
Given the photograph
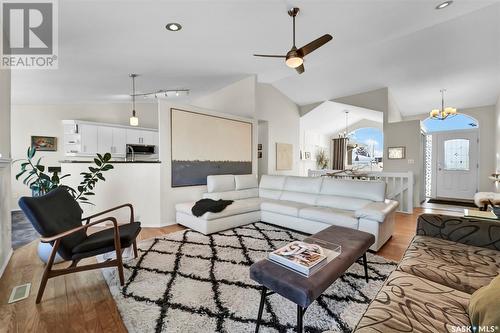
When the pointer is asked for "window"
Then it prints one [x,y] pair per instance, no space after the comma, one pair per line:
[456,155]
[365,149]
[458,122]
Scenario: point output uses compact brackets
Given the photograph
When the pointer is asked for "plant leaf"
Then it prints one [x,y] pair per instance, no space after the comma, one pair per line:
[20,174]
[107,157]
[97,162]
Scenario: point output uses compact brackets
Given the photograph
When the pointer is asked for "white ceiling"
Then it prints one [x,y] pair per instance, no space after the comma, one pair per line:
[329,118]
[406,45]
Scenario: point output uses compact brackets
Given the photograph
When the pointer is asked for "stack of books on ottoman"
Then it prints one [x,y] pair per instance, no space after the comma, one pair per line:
[305,258]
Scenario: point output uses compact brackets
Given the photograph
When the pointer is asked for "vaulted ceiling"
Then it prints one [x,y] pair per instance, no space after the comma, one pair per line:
[405,45]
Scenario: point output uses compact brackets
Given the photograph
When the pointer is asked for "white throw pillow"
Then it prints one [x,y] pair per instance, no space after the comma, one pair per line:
[245,181]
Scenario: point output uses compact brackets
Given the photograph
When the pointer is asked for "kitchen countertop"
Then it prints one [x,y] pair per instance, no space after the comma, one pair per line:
[112,162]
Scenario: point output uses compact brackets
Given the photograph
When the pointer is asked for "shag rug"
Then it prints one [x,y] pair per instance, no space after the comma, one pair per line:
[189,282]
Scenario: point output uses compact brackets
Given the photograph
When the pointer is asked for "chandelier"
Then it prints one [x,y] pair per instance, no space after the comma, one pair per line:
[444,113]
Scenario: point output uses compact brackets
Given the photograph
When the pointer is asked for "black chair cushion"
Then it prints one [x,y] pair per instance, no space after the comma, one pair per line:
[54,213]
[105,239]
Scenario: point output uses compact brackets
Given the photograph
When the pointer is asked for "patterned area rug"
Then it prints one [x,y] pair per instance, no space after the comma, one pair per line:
[189,282]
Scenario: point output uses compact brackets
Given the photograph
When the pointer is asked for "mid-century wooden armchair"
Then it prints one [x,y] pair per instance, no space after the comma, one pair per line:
[57,216]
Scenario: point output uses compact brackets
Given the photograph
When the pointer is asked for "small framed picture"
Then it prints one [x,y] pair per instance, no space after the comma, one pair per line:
[307,155]
[259,146]
[44,143]
[259,154]
[396,153]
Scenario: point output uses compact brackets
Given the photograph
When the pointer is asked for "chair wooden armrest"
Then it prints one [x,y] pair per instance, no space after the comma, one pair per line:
[83,227]
[88,218]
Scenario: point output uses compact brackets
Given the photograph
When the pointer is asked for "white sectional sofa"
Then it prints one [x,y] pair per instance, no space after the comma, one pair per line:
[300,203]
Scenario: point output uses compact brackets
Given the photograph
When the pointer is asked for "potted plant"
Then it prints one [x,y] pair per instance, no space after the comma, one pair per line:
[321,159]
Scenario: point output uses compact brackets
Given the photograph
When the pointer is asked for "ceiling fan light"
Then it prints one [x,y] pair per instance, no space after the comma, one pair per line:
[294,62]
[444,4]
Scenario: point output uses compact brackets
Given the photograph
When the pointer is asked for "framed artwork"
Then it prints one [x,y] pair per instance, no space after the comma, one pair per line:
[396,153]
[203,145]
[259,154]
[307,155]
[284,156]
[259,146]
[44,143]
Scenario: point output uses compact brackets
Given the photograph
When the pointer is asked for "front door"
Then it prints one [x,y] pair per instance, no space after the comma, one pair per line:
[457,164]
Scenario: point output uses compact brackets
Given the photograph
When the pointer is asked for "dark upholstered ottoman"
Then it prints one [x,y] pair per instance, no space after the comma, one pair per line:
[302,290]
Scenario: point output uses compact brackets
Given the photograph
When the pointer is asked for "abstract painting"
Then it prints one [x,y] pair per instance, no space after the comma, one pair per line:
[284,156]
[204,145]
[44,143]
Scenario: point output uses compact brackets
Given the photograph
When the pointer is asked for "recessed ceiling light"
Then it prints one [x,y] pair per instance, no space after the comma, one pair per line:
[444,4]
[173,26]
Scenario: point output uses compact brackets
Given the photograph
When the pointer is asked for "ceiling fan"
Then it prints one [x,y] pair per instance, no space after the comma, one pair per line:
[295,57]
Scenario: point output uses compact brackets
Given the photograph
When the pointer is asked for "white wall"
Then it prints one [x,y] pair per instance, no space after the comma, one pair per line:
[237,98]
[497,135]
[45,120]
[313,142]
[486,117]
[5,219]
[169,195]
[283,120]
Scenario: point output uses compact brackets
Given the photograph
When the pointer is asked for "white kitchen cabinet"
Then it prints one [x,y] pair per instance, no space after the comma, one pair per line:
[147,138]
[119,141]
[111,140]
[133,136]
[83,138]
[88,138]
[105,139]
[140,137]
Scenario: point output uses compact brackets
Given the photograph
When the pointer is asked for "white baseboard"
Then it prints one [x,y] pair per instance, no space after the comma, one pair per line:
[7,259]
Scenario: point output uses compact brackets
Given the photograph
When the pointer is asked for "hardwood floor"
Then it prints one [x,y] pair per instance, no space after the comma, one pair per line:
[82,302]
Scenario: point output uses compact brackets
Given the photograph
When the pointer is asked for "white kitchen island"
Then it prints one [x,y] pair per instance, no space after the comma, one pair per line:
[137,183]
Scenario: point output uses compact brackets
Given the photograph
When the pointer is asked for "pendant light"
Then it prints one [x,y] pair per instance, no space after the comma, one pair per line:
[134,121]
[444,112]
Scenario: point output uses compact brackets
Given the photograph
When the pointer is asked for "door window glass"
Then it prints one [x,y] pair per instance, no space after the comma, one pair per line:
[456,154]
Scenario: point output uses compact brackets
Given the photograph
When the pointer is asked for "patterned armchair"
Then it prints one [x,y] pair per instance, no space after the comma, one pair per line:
[474,232]
[449,258]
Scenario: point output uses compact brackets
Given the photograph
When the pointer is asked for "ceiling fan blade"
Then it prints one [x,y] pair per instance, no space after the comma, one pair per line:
[269,56]
[315,44]
[300,69]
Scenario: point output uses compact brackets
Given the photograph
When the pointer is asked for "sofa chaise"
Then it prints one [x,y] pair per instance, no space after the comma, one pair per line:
[430,290]
[306,204]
